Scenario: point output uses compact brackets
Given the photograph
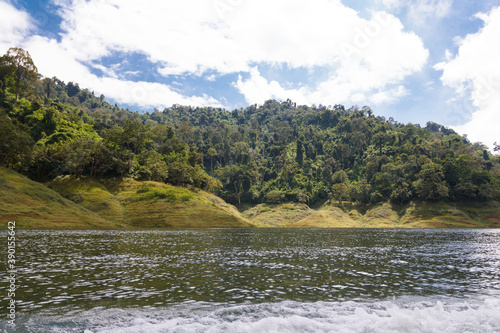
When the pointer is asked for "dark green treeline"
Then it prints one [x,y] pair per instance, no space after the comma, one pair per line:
[276,152]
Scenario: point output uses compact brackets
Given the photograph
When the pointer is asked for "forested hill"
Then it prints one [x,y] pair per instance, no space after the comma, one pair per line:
[281,152]
[274,153]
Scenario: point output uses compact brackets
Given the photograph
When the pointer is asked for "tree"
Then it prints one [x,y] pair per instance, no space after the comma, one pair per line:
[367,110]
[84,156]
[212,153]
[72,89]
[340,177]
[133,135]
[15,144]
[275,197]
[488,192]
[380,137]
[238,177]
[180,173]
[496,148]
[486,156]
[6,77]
[340,192]
[361,191]
[23,67]
[194,157]
[152,166]
[401,194]
[48,86]
[300,153]
[430,184]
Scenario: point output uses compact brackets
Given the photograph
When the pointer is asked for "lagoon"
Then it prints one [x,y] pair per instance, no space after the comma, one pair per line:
[257,280]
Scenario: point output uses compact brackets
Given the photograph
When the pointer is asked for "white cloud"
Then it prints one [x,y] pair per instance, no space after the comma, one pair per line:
[14,25]
[365,67]
[195,36]
[257,89]
[61,63]
[474,73]
[418,12]
[392,5]
[421,9]
[389,96]
[211,78]
[364,59]
[424,8]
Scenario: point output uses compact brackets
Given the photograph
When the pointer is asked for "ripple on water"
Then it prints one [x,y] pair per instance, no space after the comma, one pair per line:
[85,269]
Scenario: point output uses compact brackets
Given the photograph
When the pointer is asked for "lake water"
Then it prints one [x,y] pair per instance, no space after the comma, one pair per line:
[257,280]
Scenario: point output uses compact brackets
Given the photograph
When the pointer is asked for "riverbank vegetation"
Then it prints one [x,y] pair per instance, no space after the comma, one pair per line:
[277,153]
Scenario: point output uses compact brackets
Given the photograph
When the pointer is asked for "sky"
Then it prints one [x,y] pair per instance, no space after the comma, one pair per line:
[415,61]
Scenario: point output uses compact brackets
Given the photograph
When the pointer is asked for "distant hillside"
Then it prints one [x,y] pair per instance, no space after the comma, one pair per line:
[281,152]
[275,153]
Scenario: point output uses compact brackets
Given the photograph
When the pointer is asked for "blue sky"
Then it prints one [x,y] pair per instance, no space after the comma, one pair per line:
[415,61]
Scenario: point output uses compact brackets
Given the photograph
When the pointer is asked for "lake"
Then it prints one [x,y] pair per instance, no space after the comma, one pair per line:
[257,280]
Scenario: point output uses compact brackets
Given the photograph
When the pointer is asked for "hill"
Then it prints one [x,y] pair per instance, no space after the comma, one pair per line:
[34,206]
[148,204]
[277,153]
[68,203]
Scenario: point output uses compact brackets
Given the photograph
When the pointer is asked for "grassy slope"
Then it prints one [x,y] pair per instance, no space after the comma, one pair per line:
[132,204]
[422,215]
[273,216]
[443,215]
[150,204]
[33,205]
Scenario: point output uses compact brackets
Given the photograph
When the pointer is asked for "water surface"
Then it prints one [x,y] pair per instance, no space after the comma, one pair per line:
[258,280]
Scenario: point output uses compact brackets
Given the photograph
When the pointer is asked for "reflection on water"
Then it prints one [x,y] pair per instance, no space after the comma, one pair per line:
[65,271]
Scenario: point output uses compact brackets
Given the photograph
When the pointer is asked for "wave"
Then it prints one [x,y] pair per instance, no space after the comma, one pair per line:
[398,315]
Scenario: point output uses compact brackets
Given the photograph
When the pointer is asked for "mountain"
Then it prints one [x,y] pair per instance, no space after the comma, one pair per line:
[276,153]
[280,152]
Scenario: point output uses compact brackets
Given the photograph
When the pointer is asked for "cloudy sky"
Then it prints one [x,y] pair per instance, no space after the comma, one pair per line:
[415,61]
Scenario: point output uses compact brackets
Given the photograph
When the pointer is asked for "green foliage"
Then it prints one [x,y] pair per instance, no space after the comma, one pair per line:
[401,194]
[361,191]
[310,150]
[152,167]
[430,184]
[15,143]
[275,197]
[340,192]
[340,177]
[276,152]
[61,129]
[17,68]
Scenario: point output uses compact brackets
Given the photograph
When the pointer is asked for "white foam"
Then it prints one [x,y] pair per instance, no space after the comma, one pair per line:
[370,317]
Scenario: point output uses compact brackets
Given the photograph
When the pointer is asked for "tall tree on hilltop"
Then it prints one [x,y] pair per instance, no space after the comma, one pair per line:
[22,67]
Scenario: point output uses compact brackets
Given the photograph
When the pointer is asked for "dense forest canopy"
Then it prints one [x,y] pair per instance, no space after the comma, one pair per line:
[274,153]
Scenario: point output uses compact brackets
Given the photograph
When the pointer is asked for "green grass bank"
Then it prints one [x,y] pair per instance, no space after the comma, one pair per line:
[69,203]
